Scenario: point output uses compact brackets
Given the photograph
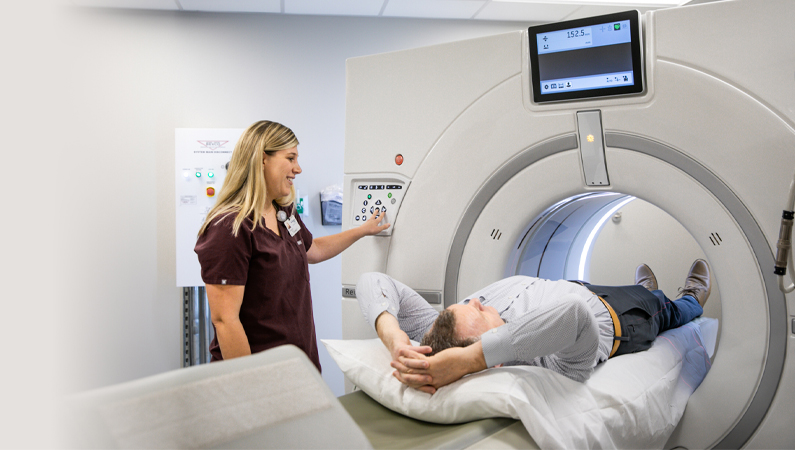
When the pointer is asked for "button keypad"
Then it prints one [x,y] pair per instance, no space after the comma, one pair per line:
[372,197]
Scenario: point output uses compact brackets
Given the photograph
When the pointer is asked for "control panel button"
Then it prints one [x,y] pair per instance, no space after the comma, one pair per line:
[211,192]
[371,199]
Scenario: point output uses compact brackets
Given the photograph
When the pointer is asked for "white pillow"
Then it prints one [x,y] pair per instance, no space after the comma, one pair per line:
[650,387]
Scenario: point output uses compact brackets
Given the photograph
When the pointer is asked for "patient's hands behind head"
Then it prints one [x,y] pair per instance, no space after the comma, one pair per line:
[430,373]
[410,364]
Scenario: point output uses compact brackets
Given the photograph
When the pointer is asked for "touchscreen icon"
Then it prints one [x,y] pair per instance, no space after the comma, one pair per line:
[617,26]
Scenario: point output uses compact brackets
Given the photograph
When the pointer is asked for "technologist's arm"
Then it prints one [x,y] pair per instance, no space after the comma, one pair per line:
[225,302]
[327,247]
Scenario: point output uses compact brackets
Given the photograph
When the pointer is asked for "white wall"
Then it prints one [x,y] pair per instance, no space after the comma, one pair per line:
[130,78]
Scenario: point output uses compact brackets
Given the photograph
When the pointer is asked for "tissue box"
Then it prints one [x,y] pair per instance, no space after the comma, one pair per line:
[331,212]
[331,205]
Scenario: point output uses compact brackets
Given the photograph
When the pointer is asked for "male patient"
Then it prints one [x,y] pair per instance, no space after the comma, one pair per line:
[568,327]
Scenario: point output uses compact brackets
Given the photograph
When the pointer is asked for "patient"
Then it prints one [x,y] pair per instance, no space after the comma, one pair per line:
[567,327]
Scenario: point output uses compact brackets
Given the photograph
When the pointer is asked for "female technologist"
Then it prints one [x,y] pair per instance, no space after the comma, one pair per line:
[254,250]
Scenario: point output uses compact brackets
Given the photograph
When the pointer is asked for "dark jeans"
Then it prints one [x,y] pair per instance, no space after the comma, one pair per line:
[644,314]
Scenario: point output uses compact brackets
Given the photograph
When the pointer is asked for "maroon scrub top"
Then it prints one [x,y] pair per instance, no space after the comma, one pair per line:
[277,302]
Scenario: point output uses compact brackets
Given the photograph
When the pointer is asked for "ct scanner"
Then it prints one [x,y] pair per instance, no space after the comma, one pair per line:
[450,141]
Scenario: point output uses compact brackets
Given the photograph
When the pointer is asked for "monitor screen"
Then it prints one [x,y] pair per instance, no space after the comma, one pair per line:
[586,58]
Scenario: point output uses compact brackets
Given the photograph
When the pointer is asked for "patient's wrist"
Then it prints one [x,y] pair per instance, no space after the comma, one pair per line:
[476,359]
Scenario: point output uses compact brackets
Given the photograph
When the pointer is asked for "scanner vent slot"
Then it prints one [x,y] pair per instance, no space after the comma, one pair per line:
[715,238]
[496,234]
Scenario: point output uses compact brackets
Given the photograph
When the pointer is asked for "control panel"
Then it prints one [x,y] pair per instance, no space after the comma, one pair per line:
[201,159]
[369,195]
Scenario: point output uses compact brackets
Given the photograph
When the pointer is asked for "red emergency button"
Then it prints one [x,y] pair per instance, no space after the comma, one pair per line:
[211,192]
[399,159]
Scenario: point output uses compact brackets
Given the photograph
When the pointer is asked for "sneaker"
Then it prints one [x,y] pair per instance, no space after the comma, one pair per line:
[697,283]
[645,277]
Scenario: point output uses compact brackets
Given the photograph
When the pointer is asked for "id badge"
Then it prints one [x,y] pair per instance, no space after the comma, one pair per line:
[292,226]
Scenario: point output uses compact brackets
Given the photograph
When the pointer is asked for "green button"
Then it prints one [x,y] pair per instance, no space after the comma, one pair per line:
[198,174]
[389,195]
[369,196]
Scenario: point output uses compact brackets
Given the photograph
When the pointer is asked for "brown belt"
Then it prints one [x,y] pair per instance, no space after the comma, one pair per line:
[616,326]
[613,316]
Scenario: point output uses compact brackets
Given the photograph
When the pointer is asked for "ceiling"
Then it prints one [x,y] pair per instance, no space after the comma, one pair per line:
[508,10]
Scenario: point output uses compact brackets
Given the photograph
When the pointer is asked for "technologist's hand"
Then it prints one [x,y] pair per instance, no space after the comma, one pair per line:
[374,224]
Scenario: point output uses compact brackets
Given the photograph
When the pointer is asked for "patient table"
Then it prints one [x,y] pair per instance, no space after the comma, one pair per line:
[631,401]
[386,429]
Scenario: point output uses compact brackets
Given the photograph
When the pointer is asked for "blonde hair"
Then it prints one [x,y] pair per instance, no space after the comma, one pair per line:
[244,190]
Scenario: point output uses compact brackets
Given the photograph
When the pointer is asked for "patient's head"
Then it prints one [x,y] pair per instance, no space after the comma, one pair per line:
[461,325]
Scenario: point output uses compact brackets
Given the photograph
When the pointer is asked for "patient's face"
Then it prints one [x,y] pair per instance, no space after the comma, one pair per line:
[474,319]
